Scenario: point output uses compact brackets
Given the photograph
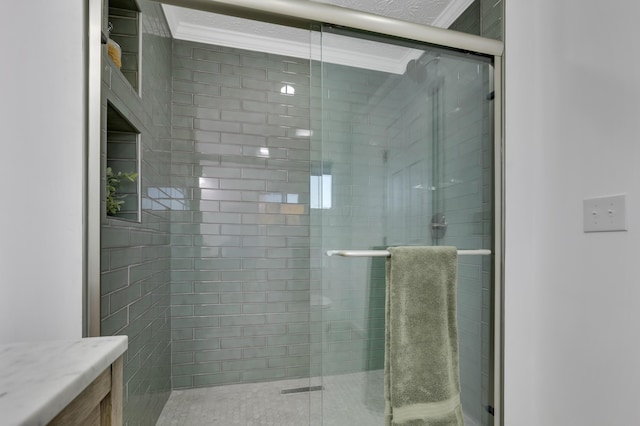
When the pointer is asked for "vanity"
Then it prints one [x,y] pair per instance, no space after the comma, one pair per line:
[71,382]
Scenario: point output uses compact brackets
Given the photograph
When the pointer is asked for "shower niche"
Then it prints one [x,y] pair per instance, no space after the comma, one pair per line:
[122,171]
[122,26]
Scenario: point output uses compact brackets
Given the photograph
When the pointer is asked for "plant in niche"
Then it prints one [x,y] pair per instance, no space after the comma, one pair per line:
[114,202]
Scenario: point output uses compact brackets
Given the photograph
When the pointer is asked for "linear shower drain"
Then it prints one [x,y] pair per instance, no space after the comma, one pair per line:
[302,389]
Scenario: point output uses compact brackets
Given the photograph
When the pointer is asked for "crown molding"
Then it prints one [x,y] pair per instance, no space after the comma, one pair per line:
[238,40]
[350,57]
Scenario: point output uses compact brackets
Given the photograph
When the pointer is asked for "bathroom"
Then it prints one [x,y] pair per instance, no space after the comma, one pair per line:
[157,259]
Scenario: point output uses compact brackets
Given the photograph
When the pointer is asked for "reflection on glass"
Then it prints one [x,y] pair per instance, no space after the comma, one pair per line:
[320,192]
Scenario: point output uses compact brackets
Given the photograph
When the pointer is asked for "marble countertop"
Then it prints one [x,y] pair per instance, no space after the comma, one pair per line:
[39,379]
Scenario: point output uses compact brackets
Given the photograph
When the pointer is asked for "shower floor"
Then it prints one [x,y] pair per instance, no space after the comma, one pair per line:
[354,399]
[349,400]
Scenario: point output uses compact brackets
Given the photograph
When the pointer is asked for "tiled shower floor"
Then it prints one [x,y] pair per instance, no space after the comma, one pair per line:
[347,400]
[350,400]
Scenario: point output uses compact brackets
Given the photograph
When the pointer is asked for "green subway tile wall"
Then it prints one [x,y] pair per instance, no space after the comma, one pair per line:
[135,285]
[353,152]
[241,275]
[483,18]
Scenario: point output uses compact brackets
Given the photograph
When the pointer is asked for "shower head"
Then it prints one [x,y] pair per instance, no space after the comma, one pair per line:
[417,68]
[416,72]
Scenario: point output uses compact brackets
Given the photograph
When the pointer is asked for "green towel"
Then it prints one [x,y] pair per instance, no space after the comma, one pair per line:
[422,378]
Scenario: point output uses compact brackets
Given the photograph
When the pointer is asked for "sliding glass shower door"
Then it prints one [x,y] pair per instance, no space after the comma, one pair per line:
[404,156]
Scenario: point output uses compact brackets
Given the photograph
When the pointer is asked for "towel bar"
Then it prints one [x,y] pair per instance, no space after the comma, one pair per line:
[385,253]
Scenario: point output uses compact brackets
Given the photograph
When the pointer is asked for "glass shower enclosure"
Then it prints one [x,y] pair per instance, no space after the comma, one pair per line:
[405,157]
[264,163]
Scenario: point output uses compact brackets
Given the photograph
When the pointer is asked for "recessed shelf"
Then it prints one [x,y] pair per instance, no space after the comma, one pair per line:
[123,147]
[124,16]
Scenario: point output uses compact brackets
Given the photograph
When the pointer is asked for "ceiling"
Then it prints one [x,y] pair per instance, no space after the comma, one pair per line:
[211,28]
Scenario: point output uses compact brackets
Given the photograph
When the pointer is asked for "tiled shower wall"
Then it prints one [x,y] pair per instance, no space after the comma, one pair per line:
[482,17]
[135,255]
[240,238]
[354,150]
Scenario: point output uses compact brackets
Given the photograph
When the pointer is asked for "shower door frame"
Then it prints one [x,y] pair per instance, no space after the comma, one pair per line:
[298,14]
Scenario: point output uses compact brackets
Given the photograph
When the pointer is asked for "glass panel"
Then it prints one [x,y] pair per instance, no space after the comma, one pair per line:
[407,131]
[318,303]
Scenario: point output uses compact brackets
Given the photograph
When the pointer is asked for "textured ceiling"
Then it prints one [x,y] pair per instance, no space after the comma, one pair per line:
[205,27]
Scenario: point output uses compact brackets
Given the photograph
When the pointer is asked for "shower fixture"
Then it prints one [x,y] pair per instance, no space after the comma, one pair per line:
[438,226]
[417,68]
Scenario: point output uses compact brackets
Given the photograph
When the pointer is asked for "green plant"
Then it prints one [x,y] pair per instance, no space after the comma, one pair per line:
[114,202]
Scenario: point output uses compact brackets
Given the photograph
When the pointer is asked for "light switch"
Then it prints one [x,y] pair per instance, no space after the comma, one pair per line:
[605,214]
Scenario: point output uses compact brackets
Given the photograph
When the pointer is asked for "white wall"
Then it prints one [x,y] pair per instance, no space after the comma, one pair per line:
[41,120]
[572,131]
